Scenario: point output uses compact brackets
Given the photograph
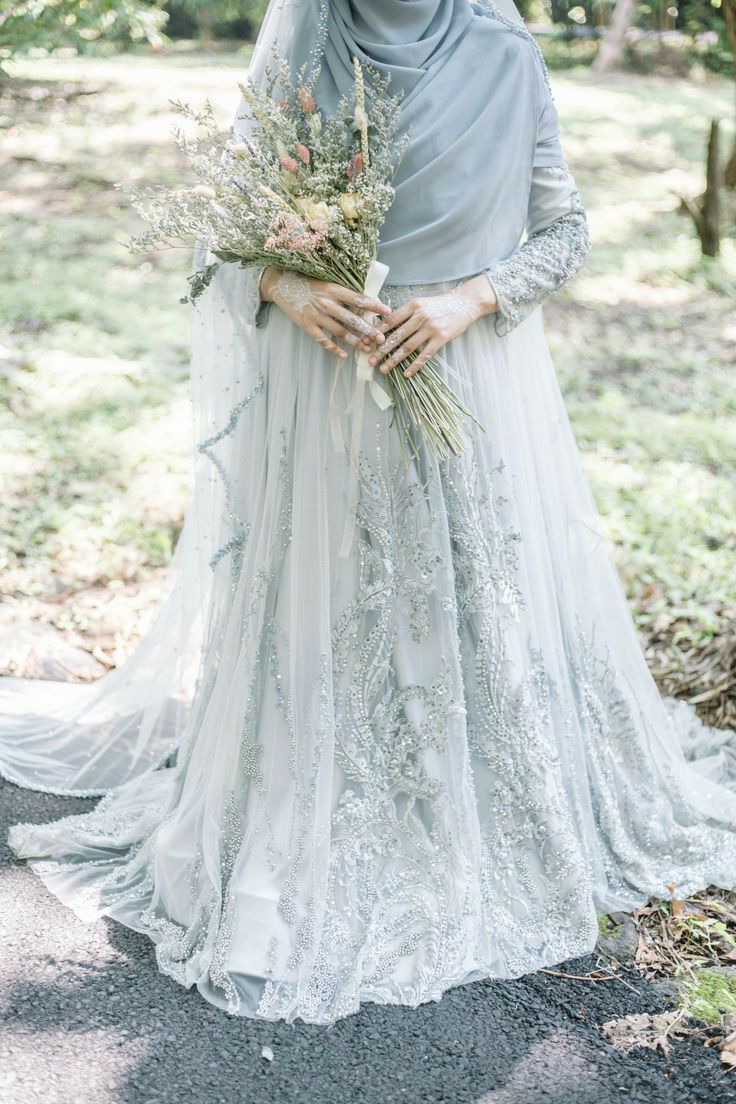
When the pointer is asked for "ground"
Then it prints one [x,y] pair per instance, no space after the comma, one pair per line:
[96,434]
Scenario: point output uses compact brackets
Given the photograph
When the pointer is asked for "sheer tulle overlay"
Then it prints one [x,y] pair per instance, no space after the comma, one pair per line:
[424,763]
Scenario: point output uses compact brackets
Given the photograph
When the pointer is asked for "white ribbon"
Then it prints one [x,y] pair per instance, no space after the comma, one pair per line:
[364,374]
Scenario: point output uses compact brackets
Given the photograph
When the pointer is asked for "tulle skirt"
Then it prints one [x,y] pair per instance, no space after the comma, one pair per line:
[429,761]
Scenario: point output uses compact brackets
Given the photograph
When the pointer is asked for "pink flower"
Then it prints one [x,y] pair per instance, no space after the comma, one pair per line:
[355,167]
[282,102]
[303,153]
[288,164]
[307,101]
[291,235]
[307,243]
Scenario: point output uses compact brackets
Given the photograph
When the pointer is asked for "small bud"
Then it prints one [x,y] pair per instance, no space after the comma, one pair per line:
[355,167]
[307,101]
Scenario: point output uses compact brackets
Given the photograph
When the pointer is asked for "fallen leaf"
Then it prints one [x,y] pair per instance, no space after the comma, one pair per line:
[643,1030]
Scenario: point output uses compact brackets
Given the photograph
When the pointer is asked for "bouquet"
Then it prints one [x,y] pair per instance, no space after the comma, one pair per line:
[307,193]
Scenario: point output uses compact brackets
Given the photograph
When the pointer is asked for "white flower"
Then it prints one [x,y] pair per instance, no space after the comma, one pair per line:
[351,205]
[361,119]
[239,150]
[205,191]
[316,215]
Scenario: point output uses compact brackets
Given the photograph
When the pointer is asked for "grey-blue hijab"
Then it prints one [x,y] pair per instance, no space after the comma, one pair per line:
[479,110]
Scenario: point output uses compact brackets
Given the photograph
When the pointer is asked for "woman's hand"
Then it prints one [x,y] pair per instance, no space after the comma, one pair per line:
[428,324]
[325,311]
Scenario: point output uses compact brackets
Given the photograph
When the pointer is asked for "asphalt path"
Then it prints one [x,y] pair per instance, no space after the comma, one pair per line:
[85,1018]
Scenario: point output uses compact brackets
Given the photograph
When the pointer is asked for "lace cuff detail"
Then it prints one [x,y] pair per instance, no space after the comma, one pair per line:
[546,261]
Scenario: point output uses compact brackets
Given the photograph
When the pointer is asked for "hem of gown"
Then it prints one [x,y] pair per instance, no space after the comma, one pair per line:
[556,955]
[467,977]
[89,907]
[24,784]
[53,791]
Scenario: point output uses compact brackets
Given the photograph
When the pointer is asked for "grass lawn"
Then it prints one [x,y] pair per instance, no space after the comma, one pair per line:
[93,347]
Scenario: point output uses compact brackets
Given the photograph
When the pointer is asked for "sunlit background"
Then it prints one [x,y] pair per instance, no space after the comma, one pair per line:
[93,341]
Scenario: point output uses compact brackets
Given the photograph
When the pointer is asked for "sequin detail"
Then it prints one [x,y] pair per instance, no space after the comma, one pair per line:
[236,542]
[546,261]
[555,172]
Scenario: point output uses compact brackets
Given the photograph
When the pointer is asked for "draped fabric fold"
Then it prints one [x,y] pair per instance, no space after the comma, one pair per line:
[476,101]
[471,84]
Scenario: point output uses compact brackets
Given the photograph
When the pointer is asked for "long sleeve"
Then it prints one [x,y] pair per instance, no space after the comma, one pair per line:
[257,309]
[558,242]
[557,247]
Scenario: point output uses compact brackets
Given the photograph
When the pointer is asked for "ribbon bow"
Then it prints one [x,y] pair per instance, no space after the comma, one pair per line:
[364,374]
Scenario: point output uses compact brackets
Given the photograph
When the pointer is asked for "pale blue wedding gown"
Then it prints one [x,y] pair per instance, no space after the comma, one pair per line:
[427,762]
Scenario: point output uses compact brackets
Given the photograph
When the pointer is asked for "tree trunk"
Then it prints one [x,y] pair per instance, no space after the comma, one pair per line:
[205,26]
[611,51]
[706,211]
[729,14]
[729,175]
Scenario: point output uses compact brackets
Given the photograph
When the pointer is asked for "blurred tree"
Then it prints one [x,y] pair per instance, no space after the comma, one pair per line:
[729,13]
[613,45]
[706,209]
[216,19]
[53,23]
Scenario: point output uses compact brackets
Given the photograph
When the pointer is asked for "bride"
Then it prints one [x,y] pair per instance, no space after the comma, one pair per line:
[336,778]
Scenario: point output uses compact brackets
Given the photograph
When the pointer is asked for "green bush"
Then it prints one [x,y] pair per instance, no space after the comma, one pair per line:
[50,24]
[217,19]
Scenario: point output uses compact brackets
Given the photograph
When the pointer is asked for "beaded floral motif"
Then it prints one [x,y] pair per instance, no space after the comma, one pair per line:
[392,891]
[386,891]
[533,879]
